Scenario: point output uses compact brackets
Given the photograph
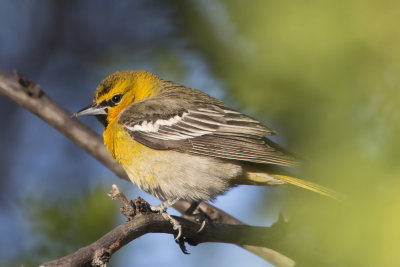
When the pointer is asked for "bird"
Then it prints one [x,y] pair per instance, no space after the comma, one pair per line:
[176,142]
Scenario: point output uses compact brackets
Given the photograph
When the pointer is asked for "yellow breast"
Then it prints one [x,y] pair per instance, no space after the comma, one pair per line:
[132,155]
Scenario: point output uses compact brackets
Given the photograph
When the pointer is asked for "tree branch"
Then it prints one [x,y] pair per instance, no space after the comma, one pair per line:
[29,95]
[144,221]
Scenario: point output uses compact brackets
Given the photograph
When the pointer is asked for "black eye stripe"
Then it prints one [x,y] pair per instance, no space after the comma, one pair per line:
[107,103]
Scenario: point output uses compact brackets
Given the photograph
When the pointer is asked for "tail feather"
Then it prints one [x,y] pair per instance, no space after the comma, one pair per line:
[307,185]
[264,178]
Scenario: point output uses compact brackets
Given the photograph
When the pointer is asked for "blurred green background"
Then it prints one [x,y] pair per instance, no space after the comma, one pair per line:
[324,74]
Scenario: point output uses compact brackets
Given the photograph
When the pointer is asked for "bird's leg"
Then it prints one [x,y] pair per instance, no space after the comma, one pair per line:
[198,217]
[164,206]
[162,210]
[192,208]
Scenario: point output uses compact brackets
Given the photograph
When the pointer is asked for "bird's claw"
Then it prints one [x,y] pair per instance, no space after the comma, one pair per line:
[175,224]
[162,210]
[203,223]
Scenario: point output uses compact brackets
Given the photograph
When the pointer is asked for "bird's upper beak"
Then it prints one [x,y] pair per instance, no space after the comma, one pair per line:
[91,111]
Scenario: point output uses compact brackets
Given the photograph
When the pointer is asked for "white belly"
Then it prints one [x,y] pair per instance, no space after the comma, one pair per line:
[169,174]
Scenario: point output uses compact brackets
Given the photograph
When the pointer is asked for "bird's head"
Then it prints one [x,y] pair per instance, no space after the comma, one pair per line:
[118,91]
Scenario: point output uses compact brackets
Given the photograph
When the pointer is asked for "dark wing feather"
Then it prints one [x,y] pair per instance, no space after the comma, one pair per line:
[206,129]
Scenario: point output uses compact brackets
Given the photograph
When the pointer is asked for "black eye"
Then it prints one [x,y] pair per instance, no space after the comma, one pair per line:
[116,98]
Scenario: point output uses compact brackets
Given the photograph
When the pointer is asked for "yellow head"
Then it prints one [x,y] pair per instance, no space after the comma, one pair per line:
[118,91]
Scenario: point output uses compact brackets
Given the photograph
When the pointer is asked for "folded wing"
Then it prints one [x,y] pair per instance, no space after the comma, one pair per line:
[206,129]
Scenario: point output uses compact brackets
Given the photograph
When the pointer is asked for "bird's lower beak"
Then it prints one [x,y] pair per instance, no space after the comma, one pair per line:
[91,111]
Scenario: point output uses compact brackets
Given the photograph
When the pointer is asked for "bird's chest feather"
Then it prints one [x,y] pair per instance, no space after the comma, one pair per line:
[133,156]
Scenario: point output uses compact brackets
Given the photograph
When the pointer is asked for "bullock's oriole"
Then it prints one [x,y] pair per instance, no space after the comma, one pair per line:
[176,142]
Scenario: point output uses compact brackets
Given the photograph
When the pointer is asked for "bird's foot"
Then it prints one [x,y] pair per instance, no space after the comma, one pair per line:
[162,210]
[175,224]
[163,206]
[194,213]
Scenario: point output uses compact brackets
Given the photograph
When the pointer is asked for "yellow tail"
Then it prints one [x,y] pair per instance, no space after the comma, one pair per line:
[307,185]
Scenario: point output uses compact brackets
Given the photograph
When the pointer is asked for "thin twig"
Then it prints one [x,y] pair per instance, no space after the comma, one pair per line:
[128,208]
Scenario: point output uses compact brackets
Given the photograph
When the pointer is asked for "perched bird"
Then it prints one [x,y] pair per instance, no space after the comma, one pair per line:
[176,142]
